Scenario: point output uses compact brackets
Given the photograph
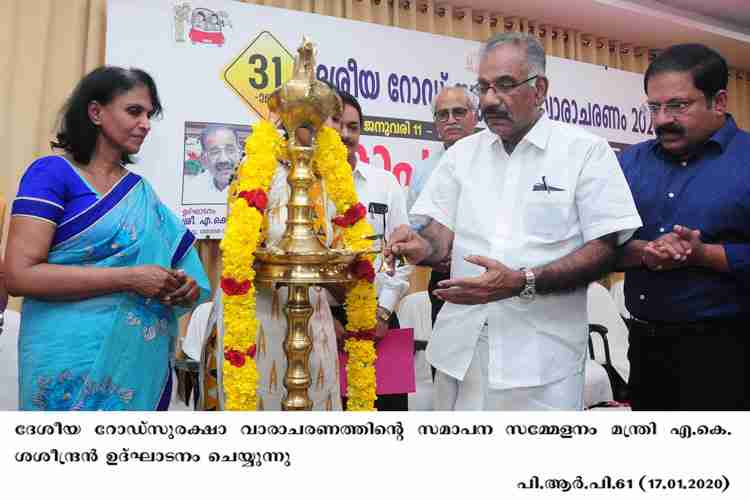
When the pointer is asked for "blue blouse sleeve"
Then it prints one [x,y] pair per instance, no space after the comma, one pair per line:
[41,193]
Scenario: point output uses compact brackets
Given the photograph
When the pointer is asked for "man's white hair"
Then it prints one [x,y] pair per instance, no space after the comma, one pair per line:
[535,56]
[471,99]
[210,130]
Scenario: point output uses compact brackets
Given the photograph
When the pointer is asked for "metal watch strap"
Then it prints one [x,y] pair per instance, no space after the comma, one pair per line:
[383,314]
[529,290]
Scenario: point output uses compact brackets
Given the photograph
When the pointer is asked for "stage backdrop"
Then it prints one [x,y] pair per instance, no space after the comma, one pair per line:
[216,61]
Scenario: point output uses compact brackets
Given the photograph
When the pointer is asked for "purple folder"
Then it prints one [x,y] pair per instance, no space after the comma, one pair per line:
[394,367]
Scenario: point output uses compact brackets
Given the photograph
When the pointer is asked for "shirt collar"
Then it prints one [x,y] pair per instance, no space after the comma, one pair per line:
[540,132]
[538,135]
[721,137]
[725,134]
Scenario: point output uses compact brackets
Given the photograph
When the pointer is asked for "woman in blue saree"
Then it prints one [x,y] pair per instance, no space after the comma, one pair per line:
[104,266]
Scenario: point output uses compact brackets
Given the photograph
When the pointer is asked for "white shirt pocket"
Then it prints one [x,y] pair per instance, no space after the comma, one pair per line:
[547,216]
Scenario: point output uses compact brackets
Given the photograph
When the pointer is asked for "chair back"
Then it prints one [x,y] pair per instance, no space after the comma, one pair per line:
[618,295]
[9,361]
[414,311]
[603,311]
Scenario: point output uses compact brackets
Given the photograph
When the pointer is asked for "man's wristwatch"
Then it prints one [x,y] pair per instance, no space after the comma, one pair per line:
[529,290]
[383,314]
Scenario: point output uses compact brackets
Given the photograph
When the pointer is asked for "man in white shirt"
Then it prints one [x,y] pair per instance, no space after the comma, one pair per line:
[379,191]
[221,152]
[455,113]
[533,211]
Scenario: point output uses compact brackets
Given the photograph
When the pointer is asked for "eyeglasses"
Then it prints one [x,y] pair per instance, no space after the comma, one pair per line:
[672,108]
[443,115]
[501,86]
[215,152]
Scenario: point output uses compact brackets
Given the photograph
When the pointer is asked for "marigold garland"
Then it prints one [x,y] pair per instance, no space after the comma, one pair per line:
[361,300]
[243,234]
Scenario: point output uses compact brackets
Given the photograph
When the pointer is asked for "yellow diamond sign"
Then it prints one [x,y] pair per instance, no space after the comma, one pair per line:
[258,70]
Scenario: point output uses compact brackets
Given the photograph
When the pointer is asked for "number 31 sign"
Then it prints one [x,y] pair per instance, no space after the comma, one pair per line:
[259,70]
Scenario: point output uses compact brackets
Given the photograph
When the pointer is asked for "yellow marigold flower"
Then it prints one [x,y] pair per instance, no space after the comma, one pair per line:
[361,306]
[330,160]
[355,236]
[360,375]
[242,237]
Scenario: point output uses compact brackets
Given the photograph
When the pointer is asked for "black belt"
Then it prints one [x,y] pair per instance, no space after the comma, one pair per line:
[420,345]
[669,329]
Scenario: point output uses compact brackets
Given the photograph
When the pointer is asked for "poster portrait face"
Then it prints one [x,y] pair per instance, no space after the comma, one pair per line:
[221,154]
[212,153]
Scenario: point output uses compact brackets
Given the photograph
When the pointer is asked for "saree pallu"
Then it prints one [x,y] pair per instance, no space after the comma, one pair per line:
[110,352]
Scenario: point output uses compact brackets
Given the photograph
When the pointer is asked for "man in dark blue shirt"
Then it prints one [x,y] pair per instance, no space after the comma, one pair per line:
[687,269]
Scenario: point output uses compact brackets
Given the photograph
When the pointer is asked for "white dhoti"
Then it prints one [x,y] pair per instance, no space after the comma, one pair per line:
[270,358]
[474,392]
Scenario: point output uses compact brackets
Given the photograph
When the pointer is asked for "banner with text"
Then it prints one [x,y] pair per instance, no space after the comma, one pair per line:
[216,62]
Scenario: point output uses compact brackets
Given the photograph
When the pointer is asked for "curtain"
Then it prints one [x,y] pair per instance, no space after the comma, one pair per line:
[49,44]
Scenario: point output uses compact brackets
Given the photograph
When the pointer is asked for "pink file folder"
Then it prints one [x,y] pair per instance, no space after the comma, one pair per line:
[394,367]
